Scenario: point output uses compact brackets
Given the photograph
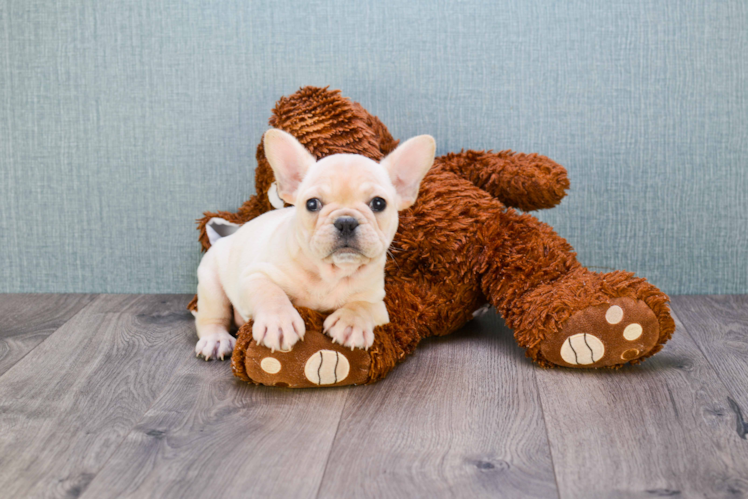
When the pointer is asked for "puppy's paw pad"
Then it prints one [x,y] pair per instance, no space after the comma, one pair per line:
[610,334]
[215,346]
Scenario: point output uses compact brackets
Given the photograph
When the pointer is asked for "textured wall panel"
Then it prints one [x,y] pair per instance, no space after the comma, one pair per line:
[120,122]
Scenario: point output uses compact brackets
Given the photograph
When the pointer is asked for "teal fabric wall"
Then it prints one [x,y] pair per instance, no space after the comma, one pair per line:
[120,122]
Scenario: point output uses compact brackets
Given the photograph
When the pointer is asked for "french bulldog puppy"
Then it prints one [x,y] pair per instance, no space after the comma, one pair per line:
[326,252]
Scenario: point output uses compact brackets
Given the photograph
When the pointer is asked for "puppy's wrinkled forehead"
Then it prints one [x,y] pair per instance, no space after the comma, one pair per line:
[346,178]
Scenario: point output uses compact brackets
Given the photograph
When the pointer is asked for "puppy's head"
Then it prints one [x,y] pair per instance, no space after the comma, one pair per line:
[347,204]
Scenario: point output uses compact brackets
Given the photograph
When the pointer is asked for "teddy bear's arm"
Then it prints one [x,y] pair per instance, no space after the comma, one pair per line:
[518,180]
[318,361]
[251,208]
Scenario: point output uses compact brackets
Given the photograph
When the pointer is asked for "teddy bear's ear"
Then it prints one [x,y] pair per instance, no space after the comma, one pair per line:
[407,165]
[218,228]
[289,161]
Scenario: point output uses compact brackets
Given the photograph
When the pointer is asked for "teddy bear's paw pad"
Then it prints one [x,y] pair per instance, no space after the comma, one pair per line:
[313,362]
[605,335]
[327,367]
[582,349]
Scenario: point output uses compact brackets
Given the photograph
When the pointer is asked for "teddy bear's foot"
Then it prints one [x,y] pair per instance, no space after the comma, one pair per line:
[313,362]
[611,334]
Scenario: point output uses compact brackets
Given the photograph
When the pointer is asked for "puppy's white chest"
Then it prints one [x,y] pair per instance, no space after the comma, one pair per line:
[322,296]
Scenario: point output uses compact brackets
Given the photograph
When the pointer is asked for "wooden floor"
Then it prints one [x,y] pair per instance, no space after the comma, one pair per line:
[102,396]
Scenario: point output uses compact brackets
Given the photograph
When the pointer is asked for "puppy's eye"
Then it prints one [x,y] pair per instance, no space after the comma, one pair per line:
[378,204]
[313,204]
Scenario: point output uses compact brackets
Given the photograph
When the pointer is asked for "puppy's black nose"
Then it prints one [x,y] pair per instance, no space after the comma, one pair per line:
[346,225]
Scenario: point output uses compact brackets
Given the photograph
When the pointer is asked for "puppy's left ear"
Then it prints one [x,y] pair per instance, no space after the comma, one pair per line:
[289,161]
[407,165]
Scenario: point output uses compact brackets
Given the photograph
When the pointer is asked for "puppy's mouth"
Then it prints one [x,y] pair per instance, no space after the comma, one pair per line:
[346,250]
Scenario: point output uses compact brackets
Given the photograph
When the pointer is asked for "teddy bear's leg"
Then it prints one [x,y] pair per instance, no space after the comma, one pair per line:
[561,312]
[611,319]
[524,181]
[317,361]
[314,362]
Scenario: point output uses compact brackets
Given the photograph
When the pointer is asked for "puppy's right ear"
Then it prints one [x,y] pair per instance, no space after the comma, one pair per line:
[407,165]
[289,161]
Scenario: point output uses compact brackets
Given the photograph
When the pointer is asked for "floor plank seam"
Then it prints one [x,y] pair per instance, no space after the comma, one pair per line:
[84,308]
[545,426]
[731,401]
[332,443]
[137,422]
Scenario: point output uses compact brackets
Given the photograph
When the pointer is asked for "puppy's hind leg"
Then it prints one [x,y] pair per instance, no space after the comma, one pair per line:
[213,317]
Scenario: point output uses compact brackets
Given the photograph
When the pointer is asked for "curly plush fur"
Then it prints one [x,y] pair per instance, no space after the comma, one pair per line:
[461,246]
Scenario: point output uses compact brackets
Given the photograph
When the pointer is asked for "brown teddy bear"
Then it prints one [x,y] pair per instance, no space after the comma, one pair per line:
[462,246]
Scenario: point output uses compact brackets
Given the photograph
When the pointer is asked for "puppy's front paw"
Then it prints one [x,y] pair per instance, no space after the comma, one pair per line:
[350,328]
[278,330]
[216,345]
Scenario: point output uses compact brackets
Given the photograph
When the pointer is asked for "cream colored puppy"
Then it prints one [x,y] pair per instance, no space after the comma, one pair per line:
[327,252]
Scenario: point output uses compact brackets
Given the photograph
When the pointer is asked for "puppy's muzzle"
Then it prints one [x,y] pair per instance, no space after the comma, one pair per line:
[346,226]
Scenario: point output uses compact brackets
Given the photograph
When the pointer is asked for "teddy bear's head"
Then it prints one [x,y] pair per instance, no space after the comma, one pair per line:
[326,123]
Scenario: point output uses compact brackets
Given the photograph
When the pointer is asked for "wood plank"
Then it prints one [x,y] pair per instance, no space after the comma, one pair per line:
[461,418]
[211,435]
[67,405]
[719,326]
[660,429]
[27,319]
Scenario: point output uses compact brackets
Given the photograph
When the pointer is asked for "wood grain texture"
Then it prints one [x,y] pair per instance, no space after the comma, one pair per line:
[211,435]
[719,326]
[461,418]
[27,319]
[67,405]
[114,404]
[661,429]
